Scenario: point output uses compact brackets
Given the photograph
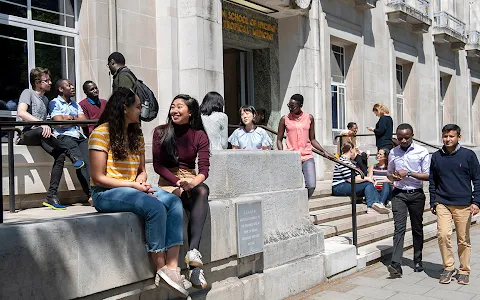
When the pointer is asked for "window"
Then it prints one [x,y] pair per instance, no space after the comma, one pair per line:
[58,12]
[338,107]
[338,88]
[399,91]
[26,44]
[441,102]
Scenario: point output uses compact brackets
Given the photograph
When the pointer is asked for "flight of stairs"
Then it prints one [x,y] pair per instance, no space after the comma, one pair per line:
[333,215]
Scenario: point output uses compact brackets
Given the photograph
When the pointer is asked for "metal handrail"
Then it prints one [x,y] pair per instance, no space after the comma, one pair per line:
[353,174]
[11,157]
[371,134]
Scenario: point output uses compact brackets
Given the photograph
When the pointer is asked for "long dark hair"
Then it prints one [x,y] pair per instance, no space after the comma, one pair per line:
[114,115]
[164,135]
[386,152]
[212,101]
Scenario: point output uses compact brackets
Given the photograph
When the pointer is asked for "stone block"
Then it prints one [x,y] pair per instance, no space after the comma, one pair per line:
[39,261]
[237,179]
[231,288]
[293,278]
[339,258]
[304,243]
[191,43]
[253,287]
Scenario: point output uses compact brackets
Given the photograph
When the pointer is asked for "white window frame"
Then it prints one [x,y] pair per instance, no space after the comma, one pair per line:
[400,99]
[441,108]
[34,25]
[340,86]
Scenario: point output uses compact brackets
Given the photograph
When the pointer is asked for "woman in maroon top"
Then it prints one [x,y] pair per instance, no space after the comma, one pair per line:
[176,146]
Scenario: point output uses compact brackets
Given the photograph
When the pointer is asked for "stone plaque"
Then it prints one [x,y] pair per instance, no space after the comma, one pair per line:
[249,228]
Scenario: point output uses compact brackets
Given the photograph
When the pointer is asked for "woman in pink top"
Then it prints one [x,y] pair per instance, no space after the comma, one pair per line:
[300,128]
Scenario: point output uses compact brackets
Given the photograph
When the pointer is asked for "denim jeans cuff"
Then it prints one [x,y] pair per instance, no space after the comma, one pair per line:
[180,243]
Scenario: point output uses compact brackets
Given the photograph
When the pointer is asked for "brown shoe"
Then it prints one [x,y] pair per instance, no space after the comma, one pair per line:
[172,279]
[463,279]
[446,276]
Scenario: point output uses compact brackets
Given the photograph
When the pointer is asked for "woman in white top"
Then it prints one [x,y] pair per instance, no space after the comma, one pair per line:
[249,136]
[214,120]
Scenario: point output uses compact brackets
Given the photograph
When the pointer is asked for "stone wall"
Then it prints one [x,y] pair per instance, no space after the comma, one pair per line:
[96,256]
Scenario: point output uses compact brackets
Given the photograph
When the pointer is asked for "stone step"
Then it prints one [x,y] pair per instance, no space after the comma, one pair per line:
[331,215]
[334,213]
[378,232]
[373,251]
[323,189]
[327,202]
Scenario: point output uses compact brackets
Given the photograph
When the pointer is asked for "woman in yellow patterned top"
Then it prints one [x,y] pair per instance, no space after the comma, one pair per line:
[119,184]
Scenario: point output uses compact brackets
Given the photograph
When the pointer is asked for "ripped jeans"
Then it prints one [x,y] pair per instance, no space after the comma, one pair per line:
[163,214]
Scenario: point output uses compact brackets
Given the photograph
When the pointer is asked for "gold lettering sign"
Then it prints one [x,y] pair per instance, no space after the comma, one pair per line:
[237,22]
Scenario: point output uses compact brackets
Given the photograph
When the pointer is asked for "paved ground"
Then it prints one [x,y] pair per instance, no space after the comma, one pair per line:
[375,283]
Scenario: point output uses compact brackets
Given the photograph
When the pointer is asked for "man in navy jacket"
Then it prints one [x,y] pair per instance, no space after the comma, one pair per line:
[453,171]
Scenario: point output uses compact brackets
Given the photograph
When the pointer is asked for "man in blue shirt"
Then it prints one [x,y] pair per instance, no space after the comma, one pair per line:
[64,108]
[453,171]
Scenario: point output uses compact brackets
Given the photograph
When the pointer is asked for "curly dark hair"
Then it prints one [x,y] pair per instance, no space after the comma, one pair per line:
[164,135]
[114,115]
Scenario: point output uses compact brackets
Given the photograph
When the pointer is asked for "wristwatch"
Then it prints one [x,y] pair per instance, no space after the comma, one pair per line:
[409,174]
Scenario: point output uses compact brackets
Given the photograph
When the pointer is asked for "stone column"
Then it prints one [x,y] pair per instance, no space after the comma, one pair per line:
[200,52]
[300,69]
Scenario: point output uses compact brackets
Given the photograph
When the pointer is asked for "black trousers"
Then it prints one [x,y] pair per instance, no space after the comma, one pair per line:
[34,137]
[404,204]
[361,161]
[78,147]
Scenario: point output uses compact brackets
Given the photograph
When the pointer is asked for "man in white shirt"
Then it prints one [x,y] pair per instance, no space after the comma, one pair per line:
[408,167]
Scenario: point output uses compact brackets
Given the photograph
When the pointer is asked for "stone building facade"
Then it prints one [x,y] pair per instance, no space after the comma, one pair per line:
[420,58]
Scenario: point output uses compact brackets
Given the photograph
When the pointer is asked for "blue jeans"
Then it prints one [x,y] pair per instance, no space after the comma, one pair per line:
[386,193]
[366,189]
[163,214]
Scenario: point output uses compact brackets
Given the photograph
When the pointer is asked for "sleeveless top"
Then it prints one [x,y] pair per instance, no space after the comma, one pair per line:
[298,135]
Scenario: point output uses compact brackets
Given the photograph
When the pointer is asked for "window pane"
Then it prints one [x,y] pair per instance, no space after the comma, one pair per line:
[341,108]
[58,12]
[59,60]
[399,111]
[13,81]
[334,107]
[19,10]
[336,67]
[53,39]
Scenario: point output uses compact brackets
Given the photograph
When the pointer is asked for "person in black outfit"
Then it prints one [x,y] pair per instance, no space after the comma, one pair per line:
[384,127]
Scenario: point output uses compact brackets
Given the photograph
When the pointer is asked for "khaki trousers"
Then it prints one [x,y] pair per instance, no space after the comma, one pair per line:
[462,218]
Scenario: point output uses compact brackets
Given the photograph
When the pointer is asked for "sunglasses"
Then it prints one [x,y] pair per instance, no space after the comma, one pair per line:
[292,106]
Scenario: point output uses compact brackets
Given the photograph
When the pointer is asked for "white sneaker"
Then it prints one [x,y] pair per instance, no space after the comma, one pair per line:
[380,208]
[371,211]
[172,279]
[193,258]
[389,204]
[197,278]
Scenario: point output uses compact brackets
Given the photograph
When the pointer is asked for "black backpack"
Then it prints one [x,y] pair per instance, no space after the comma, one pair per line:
[147,98]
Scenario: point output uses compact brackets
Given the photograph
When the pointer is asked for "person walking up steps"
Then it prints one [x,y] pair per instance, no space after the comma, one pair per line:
[453,171]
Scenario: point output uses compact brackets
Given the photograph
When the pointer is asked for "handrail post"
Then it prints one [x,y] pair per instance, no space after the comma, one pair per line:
[11,172]
[354,209]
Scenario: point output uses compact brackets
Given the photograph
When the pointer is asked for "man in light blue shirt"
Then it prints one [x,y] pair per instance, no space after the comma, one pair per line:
[65,108]
[408,167]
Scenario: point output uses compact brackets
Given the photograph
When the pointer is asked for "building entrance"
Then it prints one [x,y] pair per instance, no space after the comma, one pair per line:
[238,81]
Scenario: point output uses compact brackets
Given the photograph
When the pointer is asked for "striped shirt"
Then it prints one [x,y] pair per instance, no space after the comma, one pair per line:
[126,169]
[379,174]
[340,172]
